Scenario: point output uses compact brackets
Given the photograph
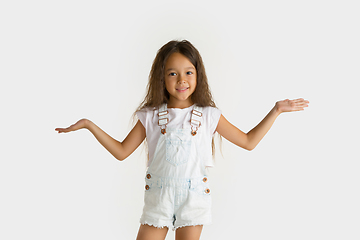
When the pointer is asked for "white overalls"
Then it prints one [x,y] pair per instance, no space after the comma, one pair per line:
[177,189]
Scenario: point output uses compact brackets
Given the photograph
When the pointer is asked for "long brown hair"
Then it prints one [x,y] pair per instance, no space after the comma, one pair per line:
[156,91]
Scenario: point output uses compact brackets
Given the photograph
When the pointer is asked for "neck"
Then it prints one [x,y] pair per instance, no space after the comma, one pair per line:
[180,104]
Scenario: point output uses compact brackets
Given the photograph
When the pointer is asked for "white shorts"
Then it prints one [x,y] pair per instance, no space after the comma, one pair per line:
[176,203]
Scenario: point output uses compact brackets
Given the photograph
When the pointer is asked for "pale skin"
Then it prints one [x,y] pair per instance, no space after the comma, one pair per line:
[180,82]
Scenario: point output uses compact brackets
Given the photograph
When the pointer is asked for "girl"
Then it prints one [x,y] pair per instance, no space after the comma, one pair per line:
[178,118]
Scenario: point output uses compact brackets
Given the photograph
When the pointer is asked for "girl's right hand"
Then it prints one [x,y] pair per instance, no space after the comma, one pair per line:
[78,125]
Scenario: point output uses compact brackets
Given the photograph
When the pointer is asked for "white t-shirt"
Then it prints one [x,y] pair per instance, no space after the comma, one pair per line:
[180,118]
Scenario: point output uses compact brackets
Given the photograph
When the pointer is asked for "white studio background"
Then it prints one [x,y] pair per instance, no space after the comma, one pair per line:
[61,61]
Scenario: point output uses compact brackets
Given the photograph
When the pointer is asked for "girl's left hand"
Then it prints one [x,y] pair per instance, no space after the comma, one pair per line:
[291,105]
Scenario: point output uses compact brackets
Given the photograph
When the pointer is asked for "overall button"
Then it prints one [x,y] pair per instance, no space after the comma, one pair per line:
[205,179]
[148,176]
[147,187]
[207,190]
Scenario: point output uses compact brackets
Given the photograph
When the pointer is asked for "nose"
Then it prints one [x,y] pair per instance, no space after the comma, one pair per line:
[182,79]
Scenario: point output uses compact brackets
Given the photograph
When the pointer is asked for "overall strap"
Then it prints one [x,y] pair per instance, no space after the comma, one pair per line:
[163,117]
[195,121]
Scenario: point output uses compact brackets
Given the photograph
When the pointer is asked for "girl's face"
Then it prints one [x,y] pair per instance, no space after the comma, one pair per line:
[180,80]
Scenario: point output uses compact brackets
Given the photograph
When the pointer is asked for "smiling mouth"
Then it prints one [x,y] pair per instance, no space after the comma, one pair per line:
[182,89]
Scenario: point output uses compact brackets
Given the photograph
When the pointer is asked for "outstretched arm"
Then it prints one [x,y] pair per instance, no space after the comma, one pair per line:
[120,150]
[251,139]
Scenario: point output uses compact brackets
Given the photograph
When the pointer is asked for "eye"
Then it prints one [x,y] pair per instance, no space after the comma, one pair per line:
[189,73]
[172,74]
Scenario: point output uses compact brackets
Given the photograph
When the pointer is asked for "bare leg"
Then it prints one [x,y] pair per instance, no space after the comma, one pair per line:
[147,232]
[189,233]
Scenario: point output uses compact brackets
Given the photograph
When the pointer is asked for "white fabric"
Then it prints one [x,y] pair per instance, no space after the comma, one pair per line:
[180,118]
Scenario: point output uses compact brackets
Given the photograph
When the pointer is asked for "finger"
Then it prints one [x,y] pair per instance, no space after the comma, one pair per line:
[299,108]
[305,104]
[301,104]
[299,100]
[60,130]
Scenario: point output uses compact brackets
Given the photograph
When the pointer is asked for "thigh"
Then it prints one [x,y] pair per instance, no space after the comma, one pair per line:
[189,233]
[147,232]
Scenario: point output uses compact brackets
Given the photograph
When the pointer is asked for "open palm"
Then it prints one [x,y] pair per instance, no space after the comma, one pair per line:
[292,105]
[76,126]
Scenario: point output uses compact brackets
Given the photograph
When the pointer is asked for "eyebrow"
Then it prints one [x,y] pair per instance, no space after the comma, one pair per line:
[170,69]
